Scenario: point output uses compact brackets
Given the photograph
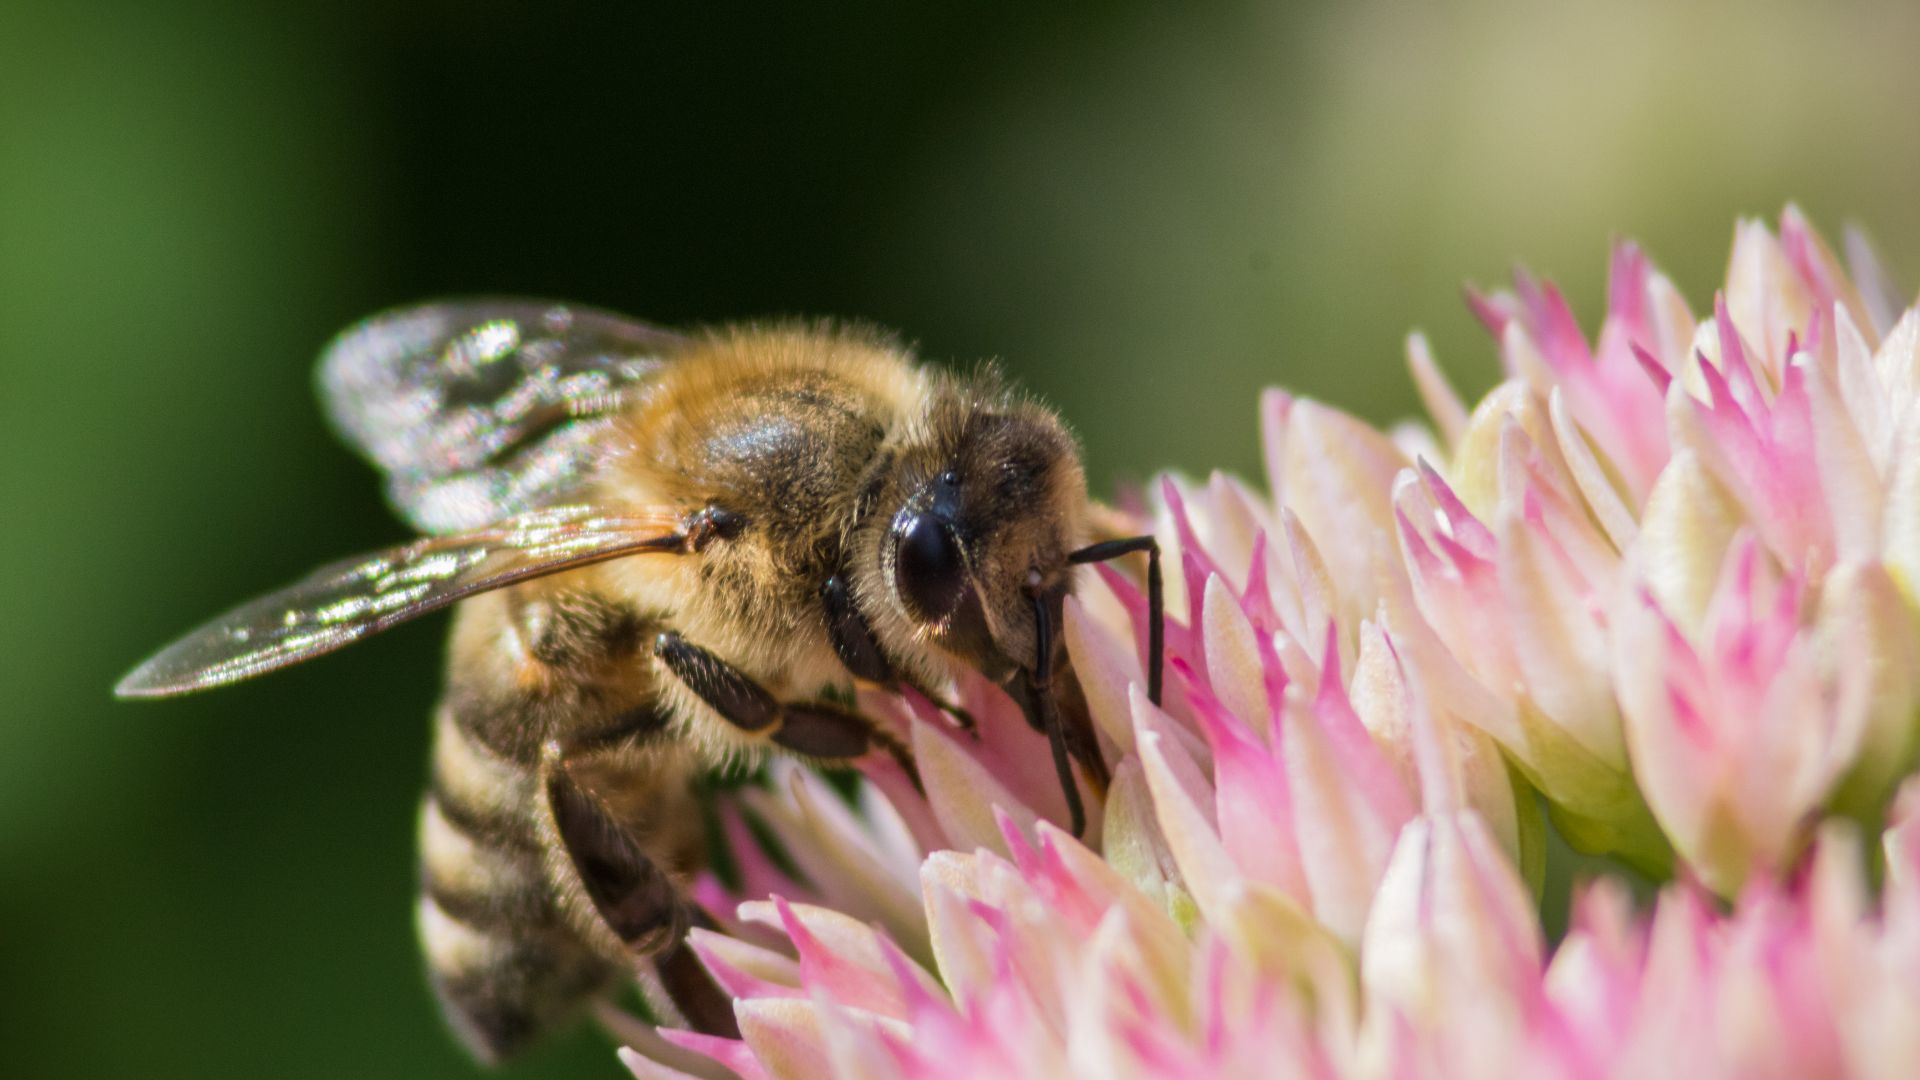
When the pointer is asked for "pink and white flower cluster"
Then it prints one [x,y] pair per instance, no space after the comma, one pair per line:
[1659,585]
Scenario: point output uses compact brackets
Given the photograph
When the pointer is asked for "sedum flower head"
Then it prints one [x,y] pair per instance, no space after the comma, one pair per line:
[1658,584]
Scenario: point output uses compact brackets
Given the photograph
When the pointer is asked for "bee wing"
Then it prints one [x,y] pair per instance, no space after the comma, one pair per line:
[341,603]
[481,409]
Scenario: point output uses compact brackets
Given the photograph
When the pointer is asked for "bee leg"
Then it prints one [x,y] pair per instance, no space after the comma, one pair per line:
[859,650]
[962,719]
[635,898]
[1156,604]
[824,730]
[1039,692]
[816,728]
[631,893]
[852,638]
[738,699]
[706,1007]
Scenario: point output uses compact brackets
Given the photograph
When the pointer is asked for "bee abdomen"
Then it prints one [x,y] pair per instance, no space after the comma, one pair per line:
[502,959]
[502,990]
[485,883]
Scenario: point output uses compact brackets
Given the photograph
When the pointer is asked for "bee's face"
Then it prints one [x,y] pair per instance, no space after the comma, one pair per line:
[983,515]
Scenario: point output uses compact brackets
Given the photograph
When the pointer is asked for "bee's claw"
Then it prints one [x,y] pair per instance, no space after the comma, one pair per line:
[905,760]
[962,719]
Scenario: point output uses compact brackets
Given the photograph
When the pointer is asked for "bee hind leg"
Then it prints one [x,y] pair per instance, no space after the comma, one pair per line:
[818,729]
[630,892]
[686,983]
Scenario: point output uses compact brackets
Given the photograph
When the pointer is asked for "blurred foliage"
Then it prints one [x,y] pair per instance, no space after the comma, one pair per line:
[1149,211]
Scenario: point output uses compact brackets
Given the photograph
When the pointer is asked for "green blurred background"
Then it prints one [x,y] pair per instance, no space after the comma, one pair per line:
[1149,210]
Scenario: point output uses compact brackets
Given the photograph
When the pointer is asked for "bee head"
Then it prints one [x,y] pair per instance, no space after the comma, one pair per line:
[985,503]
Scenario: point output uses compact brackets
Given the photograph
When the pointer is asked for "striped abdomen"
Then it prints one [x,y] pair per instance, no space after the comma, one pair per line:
[503,958]
[559,818]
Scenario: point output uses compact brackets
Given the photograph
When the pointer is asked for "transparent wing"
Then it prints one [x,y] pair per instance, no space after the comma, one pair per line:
[339,604]
[481,409]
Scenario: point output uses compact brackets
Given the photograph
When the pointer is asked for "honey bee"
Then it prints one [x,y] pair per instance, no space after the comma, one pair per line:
[667,551]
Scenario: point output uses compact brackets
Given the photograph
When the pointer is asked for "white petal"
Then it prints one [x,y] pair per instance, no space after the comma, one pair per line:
[1475,473]
[1847,475]
[1449,415]
[1136,847]
[785,1036]
[1870,645]
[1901,542]
[1184,803]
[1684,532]
[1234,667]
[1602,498]
[1558,641]
[964,792]
[962,945]
[1339,474]
[1343,845]
[835,850]
[1107,668]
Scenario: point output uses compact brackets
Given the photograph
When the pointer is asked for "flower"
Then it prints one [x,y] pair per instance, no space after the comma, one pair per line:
[1617,510]
[1050,962]
[1661,586]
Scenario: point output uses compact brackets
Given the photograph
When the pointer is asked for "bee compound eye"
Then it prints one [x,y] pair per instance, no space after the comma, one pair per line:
[927,566]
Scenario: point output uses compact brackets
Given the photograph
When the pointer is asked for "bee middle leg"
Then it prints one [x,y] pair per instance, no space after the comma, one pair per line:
[816,728]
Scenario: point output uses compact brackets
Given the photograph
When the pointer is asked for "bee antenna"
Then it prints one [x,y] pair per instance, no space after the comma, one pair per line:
[1156,597]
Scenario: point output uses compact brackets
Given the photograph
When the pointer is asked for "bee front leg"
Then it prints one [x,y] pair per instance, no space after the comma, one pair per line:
[815,728]
[860,652]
